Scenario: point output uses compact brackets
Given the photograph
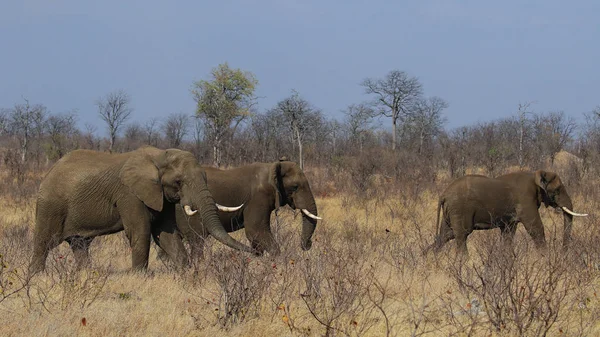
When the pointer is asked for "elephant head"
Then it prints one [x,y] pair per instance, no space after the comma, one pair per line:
[552,193]
[155,175]
[292,188]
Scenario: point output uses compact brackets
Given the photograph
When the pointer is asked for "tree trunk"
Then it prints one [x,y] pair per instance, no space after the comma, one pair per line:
[24,150]
[112,141]
[300,159]
[394,133]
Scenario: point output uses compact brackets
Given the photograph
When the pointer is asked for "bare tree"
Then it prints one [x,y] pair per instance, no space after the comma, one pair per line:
[175,128]
[151,132]
[90,136]
[134,136]
[554,131]
[426,120]
[61,131]
[114,110]
[4,113]
[198,135]
[523,111]
[25,122]
[298,114]
[358,122]
[394,96]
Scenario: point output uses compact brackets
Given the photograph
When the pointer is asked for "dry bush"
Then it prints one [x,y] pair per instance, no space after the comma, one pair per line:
[13,262]
[365,275]
[518,291]
[336,281]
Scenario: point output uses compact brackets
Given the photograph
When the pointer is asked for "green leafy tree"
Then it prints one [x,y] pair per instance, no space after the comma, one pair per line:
[223,102]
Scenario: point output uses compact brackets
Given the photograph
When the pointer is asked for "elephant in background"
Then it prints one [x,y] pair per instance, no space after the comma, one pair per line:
[476,202]
[89,193]
[261,188]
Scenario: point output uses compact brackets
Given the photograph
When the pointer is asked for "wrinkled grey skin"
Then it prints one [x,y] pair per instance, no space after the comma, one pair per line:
[89,193]
[476,202]
[261,187]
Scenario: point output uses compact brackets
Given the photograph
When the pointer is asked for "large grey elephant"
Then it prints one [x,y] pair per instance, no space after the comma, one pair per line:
[261,188]
[89,193]
[476,202]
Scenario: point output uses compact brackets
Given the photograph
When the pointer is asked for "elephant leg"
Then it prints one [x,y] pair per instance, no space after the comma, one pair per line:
[535,228]
[136,222]
[257,223]
[171,247]
[446,234]
[45,239]
[80,247]
[168,238]
[463,226]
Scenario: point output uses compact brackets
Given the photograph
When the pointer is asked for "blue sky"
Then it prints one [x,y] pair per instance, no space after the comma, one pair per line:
[482,57]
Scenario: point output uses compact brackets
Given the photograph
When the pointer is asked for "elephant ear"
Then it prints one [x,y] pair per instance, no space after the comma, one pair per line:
[140,174]
[276,181]
[543,178]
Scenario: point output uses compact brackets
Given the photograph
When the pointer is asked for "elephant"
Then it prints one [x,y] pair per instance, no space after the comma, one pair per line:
[260,188]
[89,193]
[477,202]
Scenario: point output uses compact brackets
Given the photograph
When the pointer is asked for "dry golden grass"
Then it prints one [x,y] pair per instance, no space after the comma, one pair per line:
[365,276]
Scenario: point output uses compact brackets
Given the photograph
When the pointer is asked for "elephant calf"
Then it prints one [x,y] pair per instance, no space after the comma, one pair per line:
[476,202]
[261,188]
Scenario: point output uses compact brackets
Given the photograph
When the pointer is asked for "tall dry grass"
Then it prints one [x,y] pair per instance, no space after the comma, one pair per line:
[366,275]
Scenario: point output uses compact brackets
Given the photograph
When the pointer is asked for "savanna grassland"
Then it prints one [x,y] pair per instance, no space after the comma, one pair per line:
[366,274]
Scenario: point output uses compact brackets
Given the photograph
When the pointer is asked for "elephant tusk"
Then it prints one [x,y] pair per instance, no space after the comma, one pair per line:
[310,215]
[573,213]
[228,209]
[188,210]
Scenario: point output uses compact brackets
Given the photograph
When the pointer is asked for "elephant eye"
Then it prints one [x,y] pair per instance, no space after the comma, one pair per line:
[178,182]
[294,188]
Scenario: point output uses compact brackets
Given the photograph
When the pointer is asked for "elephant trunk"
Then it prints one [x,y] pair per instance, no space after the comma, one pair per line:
[309,223]
[212,224]
[565,203]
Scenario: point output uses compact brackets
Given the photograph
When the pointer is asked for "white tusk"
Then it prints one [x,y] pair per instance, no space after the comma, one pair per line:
[188,210]
[573,213]
[228,209]
[310,215]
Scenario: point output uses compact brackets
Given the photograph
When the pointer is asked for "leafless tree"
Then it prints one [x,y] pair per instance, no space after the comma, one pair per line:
[425,120]
[151,132]
[4,121]
[298,114]
[61,131]
[395,95]
[134,136]
[358,123]
[175,128]
[554,131]
[114,109]
[90,136]
[26,121]
[523,111]
[198,135]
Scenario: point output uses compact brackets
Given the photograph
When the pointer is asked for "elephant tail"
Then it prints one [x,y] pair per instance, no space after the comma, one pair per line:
[438,222]
[438,229]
